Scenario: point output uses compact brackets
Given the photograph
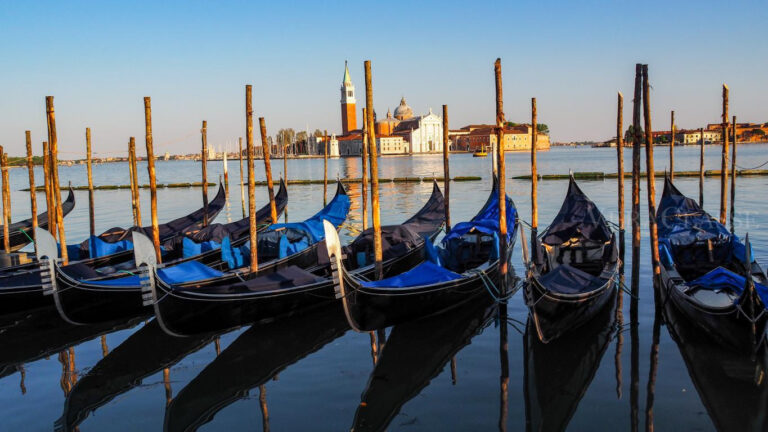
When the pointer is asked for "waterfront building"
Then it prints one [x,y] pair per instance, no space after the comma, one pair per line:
[352,145]
[481,137]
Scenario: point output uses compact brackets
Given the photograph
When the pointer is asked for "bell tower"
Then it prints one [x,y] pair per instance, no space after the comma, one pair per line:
[348,111]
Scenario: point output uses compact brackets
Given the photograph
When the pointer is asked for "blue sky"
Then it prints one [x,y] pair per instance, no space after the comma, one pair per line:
[194,57]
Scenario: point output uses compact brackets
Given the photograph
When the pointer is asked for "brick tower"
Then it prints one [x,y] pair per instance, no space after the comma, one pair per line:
[348,112]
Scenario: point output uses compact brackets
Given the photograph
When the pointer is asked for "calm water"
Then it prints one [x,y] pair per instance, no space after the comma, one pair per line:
[309,373]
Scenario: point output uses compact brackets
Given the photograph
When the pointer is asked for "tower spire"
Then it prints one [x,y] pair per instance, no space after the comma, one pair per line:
[347,79]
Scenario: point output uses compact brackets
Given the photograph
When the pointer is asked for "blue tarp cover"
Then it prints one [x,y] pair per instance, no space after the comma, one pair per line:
[723,279]
[567,279]
[335,212]
[191,248]
[426,273]
[487,221]
[187,272]
[99,248]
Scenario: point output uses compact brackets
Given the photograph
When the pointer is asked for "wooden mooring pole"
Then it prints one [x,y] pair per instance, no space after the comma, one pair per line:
[204,159]
[446,170]
[251,177]
[56,189]
[5,201]
[364,184]
[48,194]
[226,176]
[268,169]
[325,168]
[651,178]
[91,201]
[501,174]
[620,157]
[701,168]
[242,187]
[733,177]
[534,174]
[152,179]
[135,198]
[672,147]
[636,144]
[724,159]
[373,153]
[32,191]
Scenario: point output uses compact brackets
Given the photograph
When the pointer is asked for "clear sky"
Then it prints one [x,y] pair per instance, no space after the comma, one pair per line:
[194,57]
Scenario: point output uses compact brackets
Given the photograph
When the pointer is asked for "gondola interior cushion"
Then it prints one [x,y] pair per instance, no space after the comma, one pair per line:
[426,273]
[192,248]
[233,256]
[721,279]
[189,271]
[566,279]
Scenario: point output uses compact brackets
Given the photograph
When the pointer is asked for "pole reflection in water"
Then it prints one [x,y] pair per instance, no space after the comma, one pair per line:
[651,389]
[558,373]
[414,354]
[263,406]
[731,385]
[504,360]
[255,357]
[146,352]
[634,325]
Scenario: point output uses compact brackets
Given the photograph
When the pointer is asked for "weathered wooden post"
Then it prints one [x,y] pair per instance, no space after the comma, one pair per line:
[534,174]
[364,178]
[701,168]
[135,198]
[620,156]
[733,177]
[650,176]
[724,159]
[268,169]
[251,178]
[373,153]
[672,148]
[501,172]
[204,159]
[325,167]
[91,202]
[48,195]
[152,179]
[446,171]
[636,143]
[226,175]
[54,156]
[5,201]
[32,191]
[242,187]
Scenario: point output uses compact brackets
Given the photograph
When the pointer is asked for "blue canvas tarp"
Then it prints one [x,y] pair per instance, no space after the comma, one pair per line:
[723,279]
[426,273]
[487,221]
[98,247]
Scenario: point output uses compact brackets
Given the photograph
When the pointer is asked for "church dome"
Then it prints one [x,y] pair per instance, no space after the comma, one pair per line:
[403,111]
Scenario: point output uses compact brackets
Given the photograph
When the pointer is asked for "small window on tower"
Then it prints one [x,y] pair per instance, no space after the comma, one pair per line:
[349,93]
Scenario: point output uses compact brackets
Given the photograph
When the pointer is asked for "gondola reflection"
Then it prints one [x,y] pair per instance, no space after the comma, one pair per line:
[732,386]
[146,352]
[557,374]
[413,355]
[254,358]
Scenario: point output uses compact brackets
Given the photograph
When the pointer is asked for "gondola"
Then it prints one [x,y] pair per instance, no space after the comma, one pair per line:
[703,269]
[21,287]
[574,269]
[82,297]
[256,356]
[731,385]
[413,355]
[20,233]
[557,374]
[145,352]
[42,332]
[292,284]
[467,261]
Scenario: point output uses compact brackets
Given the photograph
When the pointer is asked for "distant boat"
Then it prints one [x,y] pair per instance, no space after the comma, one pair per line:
[480,153]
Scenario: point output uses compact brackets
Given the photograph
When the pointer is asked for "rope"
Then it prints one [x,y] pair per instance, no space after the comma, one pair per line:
[759,166]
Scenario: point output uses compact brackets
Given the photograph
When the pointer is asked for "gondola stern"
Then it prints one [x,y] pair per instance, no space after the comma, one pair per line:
[146,263]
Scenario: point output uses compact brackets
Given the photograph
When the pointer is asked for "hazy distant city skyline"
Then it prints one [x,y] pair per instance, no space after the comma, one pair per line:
[194,59]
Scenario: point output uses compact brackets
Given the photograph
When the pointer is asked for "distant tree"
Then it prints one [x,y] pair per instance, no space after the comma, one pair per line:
[758,132]
[629,135]
[542,128]
[301,136]
[510,124]
[317,133]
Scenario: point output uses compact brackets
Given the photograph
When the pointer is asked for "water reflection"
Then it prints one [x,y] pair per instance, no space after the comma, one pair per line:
[731,385]
[254,358]
[557,374]
[144,353]
[413,355]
